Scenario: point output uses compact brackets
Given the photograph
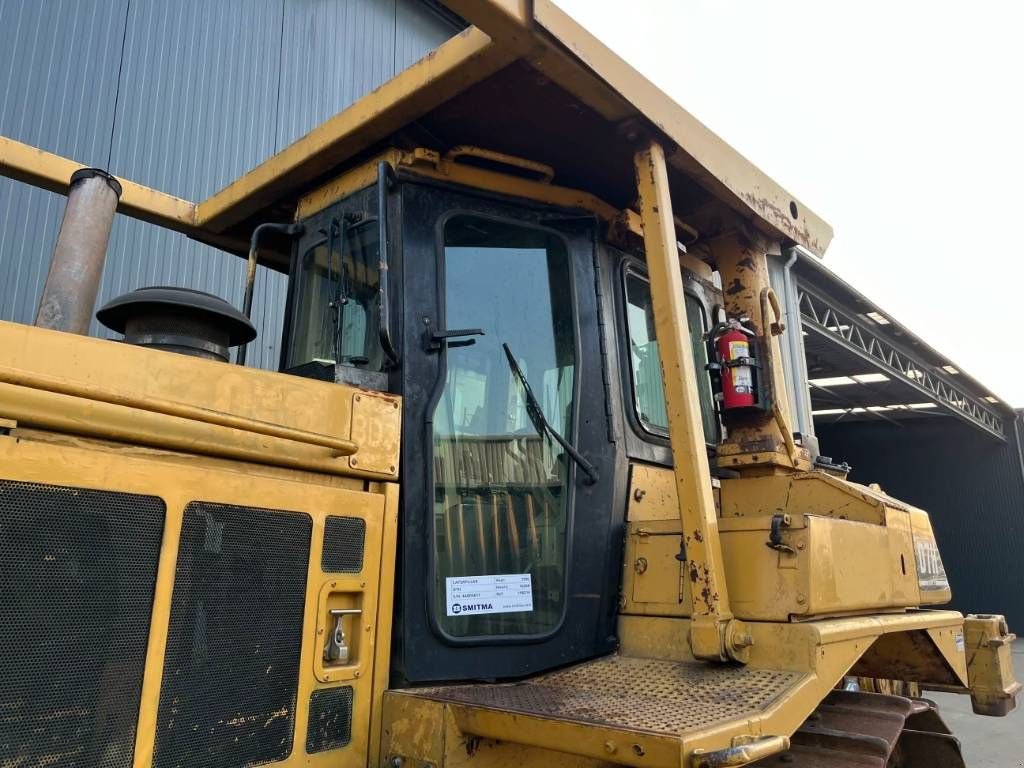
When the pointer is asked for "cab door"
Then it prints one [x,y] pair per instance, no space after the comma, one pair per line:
[509,555]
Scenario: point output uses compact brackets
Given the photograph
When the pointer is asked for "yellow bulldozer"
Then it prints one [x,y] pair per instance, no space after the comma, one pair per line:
[524,491]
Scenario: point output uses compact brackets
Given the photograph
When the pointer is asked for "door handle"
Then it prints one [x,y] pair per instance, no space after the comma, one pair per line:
[337,648]
[440,339]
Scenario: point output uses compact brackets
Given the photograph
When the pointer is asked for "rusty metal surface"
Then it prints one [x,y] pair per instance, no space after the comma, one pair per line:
[923,749]
[649,695]
[870,730]
[69,294]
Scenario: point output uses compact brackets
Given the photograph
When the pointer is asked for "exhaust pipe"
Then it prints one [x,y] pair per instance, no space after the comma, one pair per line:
[77,264]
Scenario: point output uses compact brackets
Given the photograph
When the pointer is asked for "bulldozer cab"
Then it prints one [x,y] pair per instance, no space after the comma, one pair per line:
[519,329]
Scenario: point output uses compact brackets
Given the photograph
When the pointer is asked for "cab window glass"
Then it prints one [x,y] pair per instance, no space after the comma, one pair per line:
[500,483]
[336,305]
[645,362]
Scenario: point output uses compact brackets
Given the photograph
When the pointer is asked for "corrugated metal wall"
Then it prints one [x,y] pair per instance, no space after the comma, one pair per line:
[971,484]
[183,96]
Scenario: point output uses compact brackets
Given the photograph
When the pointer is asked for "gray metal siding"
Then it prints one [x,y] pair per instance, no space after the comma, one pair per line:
[57,95]
[198,87]
[418,29]
[971,485]
[333,53]
[791,345]
[182,96]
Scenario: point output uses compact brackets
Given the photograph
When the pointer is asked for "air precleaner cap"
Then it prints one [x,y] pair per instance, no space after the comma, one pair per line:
[178,320]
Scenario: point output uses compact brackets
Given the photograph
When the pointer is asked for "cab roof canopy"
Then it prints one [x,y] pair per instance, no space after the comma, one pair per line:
[525,79]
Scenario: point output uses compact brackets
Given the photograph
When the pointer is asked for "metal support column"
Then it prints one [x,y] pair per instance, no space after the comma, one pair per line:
[758,439]
[703,549]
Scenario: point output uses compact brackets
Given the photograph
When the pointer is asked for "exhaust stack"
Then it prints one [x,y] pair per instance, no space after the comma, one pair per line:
[77,264]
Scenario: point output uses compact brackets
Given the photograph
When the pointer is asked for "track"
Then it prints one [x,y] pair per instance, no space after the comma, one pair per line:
[871,730]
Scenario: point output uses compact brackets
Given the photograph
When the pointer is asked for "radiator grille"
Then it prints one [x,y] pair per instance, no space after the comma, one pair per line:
[330,719]
[231,668]
[77,574]
[344,541]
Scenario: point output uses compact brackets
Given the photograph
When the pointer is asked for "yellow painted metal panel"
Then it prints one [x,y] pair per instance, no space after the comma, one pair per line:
[376,427]
[827,567]
[652,494]
[654,580]
[385,616]
[804,493]
[104,389]
[178,485]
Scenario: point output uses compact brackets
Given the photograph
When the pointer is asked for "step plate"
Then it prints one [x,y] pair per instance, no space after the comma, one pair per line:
[633,694]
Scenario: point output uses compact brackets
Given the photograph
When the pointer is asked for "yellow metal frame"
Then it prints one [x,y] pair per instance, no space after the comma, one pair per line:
[581,64]
[51,172]
[711,614]
[428,164]
[444,733]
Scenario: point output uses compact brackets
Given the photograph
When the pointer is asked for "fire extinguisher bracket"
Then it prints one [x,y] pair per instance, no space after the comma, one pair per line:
[750,362]
[735,353]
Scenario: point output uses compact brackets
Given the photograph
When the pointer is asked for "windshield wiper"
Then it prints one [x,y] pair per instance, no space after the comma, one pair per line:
[540,422]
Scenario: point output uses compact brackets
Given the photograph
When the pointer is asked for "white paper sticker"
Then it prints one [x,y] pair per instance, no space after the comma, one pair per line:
[501,593]
[958,639]
[742,375]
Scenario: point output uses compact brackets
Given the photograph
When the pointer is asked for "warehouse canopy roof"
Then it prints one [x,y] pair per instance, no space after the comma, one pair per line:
[863,364]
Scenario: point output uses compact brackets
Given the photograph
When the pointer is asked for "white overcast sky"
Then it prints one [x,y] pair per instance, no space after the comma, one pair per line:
[901,123]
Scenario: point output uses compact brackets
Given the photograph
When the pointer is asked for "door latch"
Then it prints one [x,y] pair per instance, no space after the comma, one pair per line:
[775,535]
[337,650]
[440,339]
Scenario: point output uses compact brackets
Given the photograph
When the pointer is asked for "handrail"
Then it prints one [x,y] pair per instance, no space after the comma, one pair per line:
[384,177]
[769,329]
[17,377]
[741,754]
[546,172]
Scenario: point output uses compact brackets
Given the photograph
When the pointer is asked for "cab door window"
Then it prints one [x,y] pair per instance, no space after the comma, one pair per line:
[500,483]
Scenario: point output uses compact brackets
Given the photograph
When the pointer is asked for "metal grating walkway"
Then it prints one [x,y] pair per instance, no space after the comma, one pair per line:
[642,695]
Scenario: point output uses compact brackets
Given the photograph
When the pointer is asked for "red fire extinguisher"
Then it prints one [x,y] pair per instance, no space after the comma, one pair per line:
[732,348]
